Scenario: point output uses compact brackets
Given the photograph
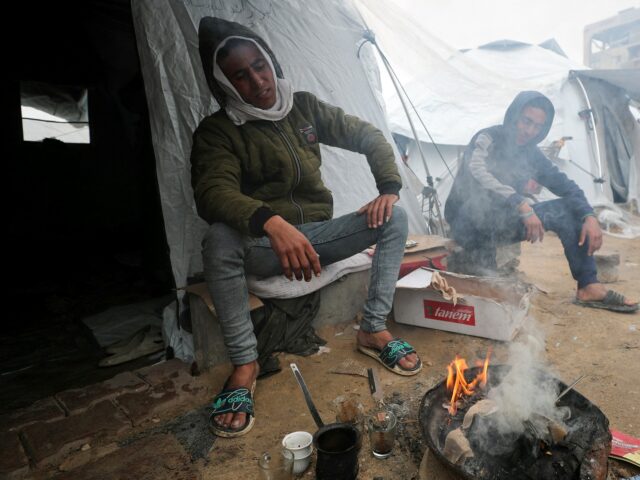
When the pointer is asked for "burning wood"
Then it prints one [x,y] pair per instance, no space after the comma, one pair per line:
[483,408]
[513,426]
[456,446]
[457,384]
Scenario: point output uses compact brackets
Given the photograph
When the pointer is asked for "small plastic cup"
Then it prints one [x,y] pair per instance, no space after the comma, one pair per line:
[300,444]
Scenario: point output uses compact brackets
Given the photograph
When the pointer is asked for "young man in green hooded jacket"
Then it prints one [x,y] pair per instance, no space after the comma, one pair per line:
[257,182]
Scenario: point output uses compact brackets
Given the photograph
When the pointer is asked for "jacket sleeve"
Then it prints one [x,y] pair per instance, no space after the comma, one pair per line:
[548,175]
[338,129]
[480,172]
[216,177]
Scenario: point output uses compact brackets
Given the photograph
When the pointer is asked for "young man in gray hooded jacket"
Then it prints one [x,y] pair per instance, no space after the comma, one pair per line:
[256,178]
[488,205]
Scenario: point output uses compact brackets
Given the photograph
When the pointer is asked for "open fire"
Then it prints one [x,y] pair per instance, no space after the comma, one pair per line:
[507,422]
[457,383]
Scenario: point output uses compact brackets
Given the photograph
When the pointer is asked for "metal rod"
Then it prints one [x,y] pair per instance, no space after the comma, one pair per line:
[595,130]
[394,80]
[307,396]
[570,387]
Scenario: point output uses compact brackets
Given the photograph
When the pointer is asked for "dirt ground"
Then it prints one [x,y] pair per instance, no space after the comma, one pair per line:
[601,344]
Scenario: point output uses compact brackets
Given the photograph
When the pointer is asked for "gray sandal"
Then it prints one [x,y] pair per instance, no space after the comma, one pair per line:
[613,301]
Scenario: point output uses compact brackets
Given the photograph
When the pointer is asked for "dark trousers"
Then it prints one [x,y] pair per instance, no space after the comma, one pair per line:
[499,227]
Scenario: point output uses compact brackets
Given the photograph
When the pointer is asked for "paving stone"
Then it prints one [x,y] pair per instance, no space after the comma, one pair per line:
[172,387]
[143,406]
[50,442]
[157,457]
[78,400]
[45,410]
[82,457]
[13,461]
[174,369]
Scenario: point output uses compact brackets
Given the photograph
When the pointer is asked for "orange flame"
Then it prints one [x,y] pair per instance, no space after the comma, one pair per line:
[458,385]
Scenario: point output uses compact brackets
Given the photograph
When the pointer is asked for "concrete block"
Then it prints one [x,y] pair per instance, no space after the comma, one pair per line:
[79,399]
[157,457]
[173,390]
[340,302]
[175,370]
[45,410]
[607,265]
[13,461]
[49,442]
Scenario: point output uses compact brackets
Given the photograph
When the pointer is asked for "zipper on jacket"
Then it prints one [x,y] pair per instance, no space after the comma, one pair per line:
[297,166]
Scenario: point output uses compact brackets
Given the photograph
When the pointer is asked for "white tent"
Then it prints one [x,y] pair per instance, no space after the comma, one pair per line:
[316,44]
[458,93]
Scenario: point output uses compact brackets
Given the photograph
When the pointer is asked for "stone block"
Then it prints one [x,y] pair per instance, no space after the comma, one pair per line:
[164,399]
[341,301]
[174,370]
[45,410]
[79,399]
[50,442]
[608,266]
[157,457]
[13,461]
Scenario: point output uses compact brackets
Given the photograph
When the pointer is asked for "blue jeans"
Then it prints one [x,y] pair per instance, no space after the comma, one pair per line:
[505,227]
[229,256]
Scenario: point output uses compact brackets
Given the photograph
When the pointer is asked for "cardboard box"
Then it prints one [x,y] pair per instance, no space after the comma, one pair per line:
[489,307]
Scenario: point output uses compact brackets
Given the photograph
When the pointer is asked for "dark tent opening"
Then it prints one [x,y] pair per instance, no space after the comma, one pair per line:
[85,225]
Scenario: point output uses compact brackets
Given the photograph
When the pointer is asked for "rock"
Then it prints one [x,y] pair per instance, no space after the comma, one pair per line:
[456,447]
[483,407]
[607,266]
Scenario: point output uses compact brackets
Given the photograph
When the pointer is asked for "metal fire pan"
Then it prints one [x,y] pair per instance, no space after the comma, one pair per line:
[433,418]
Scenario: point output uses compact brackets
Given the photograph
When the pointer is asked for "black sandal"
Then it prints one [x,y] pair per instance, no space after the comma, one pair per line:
[391,354]
[613,301]
[233,400]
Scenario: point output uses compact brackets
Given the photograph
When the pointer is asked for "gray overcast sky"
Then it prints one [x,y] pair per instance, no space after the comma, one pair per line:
[470,23]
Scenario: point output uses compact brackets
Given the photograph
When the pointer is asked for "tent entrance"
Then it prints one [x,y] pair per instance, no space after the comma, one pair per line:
[85,226]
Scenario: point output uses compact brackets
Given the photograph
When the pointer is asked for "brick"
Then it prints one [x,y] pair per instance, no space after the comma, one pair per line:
[84,456]
[175,370]
[13,461]
[157,457]
[78,400]
[50,442]
[143,406]
[173,376]
[45,410]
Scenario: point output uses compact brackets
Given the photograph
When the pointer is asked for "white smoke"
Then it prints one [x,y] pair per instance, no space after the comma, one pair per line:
[525,392]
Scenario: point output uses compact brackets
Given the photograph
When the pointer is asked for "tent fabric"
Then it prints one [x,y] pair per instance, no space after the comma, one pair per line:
[627,79]
[458,93]
[316,44]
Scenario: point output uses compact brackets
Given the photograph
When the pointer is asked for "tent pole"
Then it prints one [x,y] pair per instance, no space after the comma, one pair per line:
[429,189]
[594,130]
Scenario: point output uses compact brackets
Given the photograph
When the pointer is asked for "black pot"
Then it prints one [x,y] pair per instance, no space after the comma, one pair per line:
[337,446]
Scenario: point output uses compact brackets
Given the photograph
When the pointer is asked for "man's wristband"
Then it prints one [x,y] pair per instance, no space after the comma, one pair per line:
[528,214]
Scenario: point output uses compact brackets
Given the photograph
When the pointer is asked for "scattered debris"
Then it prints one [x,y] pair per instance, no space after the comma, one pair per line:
[350,367]
[322,349]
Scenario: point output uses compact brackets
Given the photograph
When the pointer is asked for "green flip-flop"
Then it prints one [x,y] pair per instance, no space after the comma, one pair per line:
[389,356]
[233,400]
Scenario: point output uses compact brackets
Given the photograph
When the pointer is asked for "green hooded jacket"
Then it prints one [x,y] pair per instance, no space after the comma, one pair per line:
[242,175]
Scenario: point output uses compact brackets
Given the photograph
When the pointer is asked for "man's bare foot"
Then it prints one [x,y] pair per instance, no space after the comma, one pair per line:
[595,292]
[378,341]
[242,376]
